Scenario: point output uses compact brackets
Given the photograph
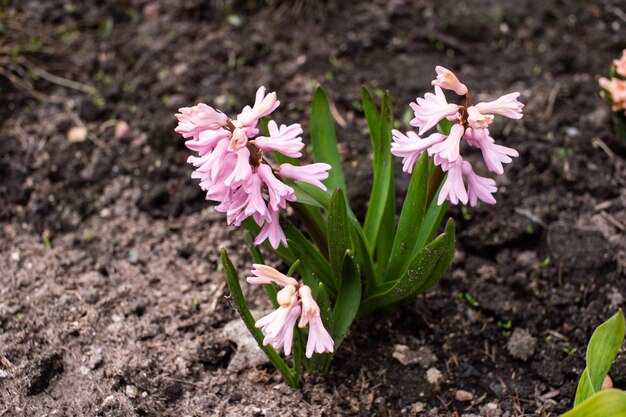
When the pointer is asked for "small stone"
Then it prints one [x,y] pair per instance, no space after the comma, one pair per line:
[3,374]
[463,396]
[108,401]
[521,345]
[415,408]
[77,134]
[132,391]
[407,356]
[95,359]
[15,256]
[527,259]
[434,376]
[121,129]
[607,383]
[401,354]
[248,354]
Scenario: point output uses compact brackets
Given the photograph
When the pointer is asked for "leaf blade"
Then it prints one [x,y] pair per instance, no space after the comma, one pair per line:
[324,139]
[348,299]
[411,218]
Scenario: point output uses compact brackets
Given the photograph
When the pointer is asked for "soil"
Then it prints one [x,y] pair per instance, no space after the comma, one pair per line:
[111,299]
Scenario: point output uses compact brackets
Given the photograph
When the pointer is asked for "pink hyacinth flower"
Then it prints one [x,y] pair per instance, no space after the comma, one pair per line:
[285,139]
[493,155]
[319,339]
[272,231]
[312,174]
[477,120]
[193,120]
[410,147]
[507,106]
[478,187]
[431,109]
[620,64]
[453,188]
[242,169]
[450,148]
[264,274]
[278,326]
[446,79]
[206,141]
[263,106]
[279,192]
[617,89]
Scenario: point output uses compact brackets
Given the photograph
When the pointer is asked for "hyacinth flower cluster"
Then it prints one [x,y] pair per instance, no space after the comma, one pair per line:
[233,169]
[469,123]
[349,266]
[295,301]
[614,88]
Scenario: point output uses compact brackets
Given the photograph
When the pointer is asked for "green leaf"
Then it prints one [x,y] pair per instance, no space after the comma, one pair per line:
[293,268]
[239,300]
[310,257]
[417,273]
[324,140]
[603,346]
[443,264]
[257,258]
[348,299]
[339,234]
[379,206]
[410,222]
[609,403]
[431,222]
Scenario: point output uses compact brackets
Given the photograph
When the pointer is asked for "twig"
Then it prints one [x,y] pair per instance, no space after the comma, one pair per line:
[63,82]
[599,143]
[552,100]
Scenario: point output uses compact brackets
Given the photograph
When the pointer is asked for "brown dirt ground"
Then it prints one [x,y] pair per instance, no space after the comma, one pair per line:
[111,301]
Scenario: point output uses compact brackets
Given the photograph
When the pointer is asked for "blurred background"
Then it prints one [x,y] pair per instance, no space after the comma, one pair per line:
[111,298]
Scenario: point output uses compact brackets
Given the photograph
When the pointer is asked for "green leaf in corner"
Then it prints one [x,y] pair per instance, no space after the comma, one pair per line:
[241,305]
[601,351]
[348,299]
[609,403]
[324,140]
[410,221]
[339,234]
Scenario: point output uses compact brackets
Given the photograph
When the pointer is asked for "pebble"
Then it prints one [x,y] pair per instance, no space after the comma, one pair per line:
[132,391]
[407,356]
[463,396]
[521,345]
[77,134]
[15,256]
[434,376]
[527,259]
[248,354]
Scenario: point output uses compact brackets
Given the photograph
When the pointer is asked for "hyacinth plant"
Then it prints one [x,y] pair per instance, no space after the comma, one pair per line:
[613,90]
[346,267]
